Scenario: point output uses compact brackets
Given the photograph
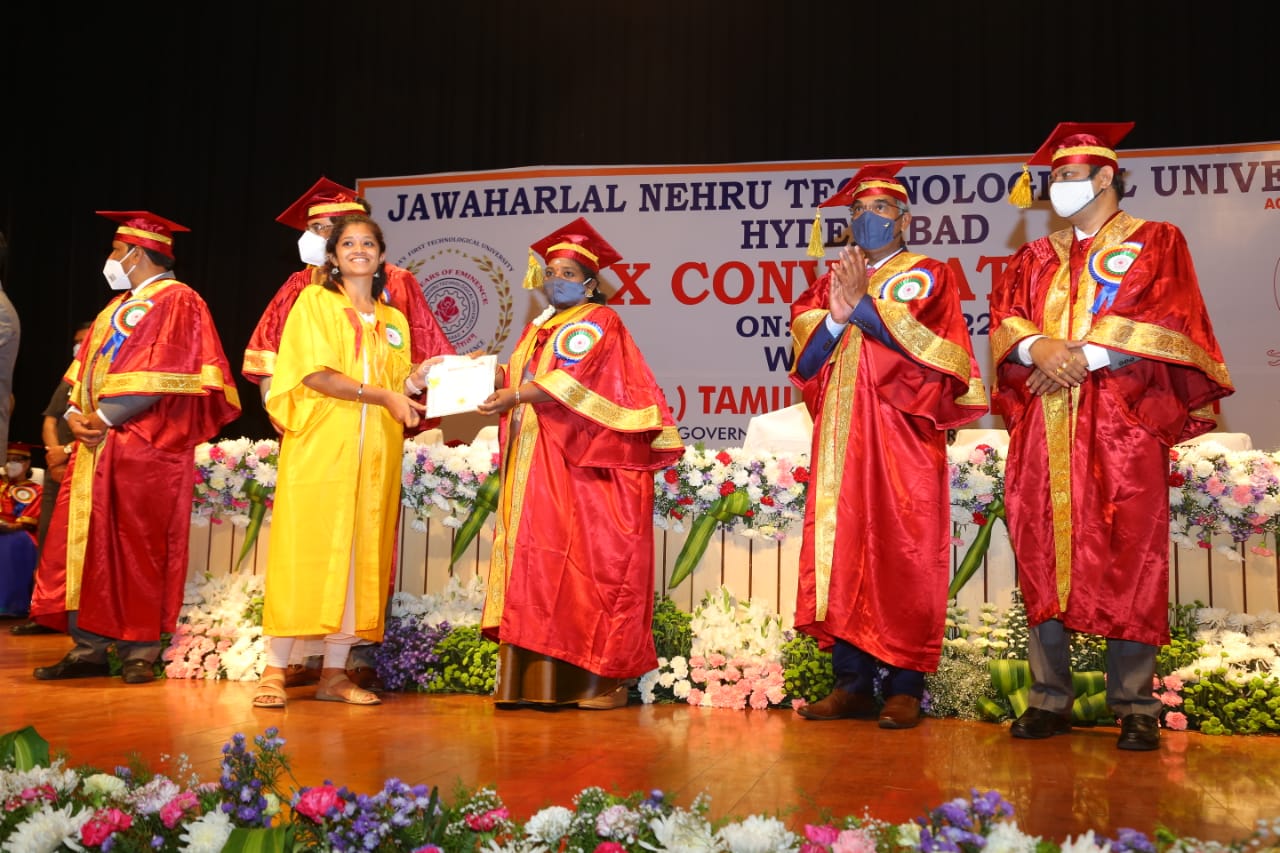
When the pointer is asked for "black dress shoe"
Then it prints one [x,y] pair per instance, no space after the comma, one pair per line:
[70,667]
[841,705]
[138,671]
[1037,723]
[1139,731]
[29,628]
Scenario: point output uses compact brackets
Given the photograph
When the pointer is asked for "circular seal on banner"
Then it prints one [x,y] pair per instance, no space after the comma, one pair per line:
[395,336]
[467,288]
[23,494]
[1110,265]
[575,340]
[129,315]
[906,286]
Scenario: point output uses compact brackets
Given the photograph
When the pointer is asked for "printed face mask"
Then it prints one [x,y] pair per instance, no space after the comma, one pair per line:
[311,248]
[872,232]
[1071,197]
[114,272]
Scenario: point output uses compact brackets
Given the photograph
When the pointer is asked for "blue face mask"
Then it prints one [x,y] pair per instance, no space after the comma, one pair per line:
[565,293]
[872,232]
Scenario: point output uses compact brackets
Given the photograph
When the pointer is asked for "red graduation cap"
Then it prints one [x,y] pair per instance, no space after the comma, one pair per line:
[578,241]
[21,448]
[326,199]
[1093,143]
[1082,142]
[145,229]
[872,179]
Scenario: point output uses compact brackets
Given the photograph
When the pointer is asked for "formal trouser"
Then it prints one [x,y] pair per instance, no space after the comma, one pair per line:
[855,672]
[93,647]
[1131,669]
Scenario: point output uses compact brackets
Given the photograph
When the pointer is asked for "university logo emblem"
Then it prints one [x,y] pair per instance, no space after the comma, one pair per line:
[468,289]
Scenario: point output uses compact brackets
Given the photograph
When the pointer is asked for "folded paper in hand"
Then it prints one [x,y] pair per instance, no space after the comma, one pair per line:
[459,384]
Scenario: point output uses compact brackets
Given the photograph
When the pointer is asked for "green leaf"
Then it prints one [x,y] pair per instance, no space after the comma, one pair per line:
[725,508]
[276,839]
[24,749]
[1090,707]
[977,551]
[257,495]
[486,502]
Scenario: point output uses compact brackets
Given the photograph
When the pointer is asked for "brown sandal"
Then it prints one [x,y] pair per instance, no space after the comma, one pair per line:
[270,692]
[338,688]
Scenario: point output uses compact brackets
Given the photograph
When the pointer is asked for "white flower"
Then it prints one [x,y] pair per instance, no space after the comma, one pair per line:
[682,831]
[1085,844]
[105,785]
[758,835]
[1005,837]
[47,830]
[550,825]
[206,834]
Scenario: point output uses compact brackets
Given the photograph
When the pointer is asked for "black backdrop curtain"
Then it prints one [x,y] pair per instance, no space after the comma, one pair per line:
[218,115]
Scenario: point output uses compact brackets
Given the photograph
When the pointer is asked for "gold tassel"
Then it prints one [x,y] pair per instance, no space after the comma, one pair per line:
[817,247]
[1020,195]
[533,275]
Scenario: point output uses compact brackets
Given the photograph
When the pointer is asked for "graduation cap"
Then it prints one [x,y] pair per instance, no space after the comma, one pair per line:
[577,241]
[1093,143]
[326,199]
[20,449]
[145,229]
[871,180]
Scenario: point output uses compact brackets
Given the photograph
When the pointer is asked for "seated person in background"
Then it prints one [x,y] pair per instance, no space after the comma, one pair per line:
[19,512]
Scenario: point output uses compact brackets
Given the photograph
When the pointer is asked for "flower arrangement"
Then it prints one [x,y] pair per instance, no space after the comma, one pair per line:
[222,471]
[253,806]
[773,484]
[219,631]
[1215,491]
[441,481]
[1219,674]
[735,658]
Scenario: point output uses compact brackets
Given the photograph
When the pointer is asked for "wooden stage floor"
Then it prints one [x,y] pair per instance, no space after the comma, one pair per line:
[748,762]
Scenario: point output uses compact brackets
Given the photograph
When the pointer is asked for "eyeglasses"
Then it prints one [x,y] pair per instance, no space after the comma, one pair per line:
[879,208]
[321,228]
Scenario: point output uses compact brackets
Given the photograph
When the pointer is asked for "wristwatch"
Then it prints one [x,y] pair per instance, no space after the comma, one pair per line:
[66,448]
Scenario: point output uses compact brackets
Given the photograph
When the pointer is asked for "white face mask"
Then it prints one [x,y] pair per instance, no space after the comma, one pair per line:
[1071,197]
[311,248]
[114,272]
[13,469]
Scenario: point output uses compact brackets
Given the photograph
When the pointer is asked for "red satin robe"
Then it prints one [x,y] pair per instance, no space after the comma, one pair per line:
[874,558]
[116,549]
[571,574]
[1087,471]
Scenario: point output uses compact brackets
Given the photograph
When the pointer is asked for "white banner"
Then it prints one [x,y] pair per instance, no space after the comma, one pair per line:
[713,255]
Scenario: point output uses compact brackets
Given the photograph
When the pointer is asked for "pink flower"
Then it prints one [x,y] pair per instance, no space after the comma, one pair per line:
[102,825]
[1171,699]
[825,834]
[854,841]
[1172,682]
[1242,495]
[610,847]
[488,821]
[172,812]
[315,803]
[1175,720]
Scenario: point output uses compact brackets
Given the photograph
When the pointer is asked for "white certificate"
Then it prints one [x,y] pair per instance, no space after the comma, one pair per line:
[459,384]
